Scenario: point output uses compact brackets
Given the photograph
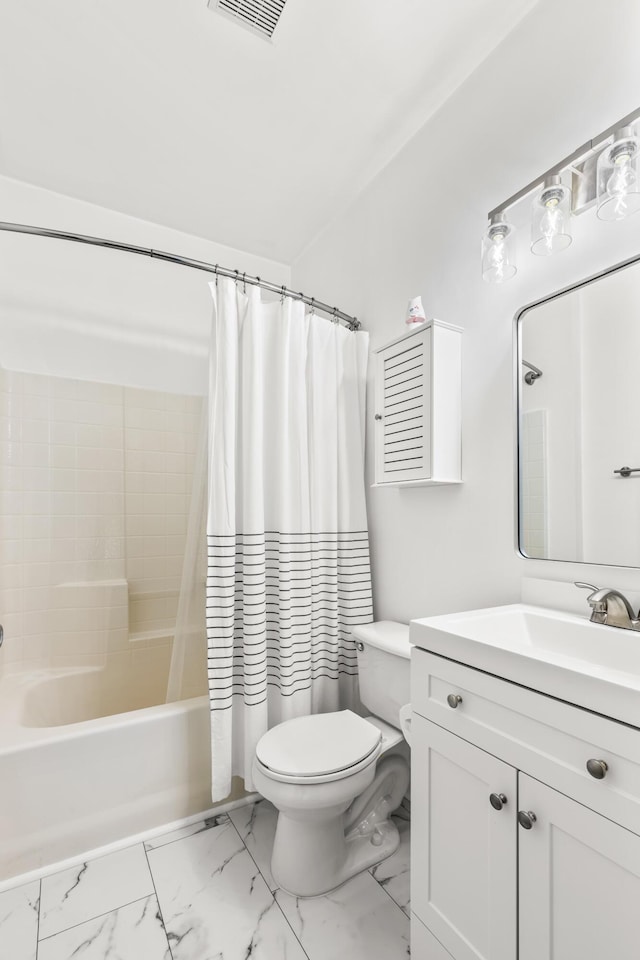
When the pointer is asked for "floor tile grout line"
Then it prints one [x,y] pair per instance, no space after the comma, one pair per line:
[272,892]
[382,887]
[155,890]
[38,917]
[96,917]
[381,883]
[286,918]
[242,840]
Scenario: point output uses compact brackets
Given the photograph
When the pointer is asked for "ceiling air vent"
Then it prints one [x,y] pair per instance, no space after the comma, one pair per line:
[262,16]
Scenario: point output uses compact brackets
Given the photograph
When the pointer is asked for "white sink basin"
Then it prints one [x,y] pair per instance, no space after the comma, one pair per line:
[564,655]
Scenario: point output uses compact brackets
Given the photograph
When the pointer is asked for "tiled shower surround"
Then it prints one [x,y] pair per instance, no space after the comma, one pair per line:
[95,484]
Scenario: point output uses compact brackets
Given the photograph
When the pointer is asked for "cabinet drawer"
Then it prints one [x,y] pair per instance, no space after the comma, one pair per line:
[547,738]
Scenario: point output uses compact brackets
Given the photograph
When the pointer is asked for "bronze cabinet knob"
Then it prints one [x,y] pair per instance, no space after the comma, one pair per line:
[526,819]
[597,769]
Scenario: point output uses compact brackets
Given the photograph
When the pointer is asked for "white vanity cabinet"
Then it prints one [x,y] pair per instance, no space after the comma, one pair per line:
[518,853]
[418,407]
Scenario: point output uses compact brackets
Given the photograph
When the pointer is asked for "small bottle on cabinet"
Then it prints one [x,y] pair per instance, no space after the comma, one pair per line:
[415,313]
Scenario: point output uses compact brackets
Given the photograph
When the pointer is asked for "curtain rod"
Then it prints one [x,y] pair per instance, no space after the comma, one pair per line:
[352,322]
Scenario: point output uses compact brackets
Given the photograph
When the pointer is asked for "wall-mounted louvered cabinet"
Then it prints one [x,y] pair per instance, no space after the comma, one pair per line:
[417,407]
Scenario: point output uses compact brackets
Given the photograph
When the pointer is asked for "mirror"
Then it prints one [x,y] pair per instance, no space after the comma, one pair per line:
[579,422]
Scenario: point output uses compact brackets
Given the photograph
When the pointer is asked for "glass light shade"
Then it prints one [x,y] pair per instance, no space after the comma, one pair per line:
[498,260]
[618,177]
[551,219]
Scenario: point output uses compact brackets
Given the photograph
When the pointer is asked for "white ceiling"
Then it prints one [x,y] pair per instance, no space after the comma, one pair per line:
[168,111]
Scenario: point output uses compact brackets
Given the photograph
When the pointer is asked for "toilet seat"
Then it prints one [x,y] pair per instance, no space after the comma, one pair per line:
[318,748]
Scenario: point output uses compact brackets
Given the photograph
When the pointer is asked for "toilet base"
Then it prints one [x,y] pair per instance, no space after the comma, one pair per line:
[317,849]
[361,854]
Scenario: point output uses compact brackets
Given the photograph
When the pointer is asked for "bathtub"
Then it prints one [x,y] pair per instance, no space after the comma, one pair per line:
[73,779]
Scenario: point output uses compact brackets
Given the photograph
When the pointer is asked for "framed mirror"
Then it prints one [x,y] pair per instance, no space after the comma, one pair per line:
[578,376]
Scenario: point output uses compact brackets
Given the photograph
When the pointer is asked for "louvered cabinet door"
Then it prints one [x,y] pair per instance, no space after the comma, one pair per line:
[418,407]
[403,410]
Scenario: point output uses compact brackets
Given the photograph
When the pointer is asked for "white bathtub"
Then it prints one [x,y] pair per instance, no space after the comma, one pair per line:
[67,787]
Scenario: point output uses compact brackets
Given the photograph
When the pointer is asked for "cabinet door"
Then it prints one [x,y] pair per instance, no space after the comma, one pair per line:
[579,881]
[463,851]
[403,406]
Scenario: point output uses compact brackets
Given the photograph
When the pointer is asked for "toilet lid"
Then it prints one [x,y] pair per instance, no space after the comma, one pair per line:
[316,745]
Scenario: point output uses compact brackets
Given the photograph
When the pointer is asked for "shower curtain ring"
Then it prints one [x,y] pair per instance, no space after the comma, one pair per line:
[244,283]
[216,273]
[312,310]
[237,273]
[283,290]
[335,315]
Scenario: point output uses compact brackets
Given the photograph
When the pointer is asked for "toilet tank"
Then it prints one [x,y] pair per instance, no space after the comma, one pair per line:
[383,667]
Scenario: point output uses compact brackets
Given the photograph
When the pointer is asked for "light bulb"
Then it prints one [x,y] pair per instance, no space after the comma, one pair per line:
[621,182]
[550,224]
[497,256]
[617,177]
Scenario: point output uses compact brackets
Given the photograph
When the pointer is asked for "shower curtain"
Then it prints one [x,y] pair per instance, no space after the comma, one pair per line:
[186,670]
[288,553]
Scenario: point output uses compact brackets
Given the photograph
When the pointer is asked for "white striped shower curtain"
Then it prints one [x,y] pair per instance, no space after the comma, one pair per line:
[288,551]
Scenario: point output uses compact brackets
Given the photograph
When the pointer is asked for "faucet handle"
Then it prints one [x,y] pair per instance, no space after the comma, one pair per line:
[597,606]
[585,586]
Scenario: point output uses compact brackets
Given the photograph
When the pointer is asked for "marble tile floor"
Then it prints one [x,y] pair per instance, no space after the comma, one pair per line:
[205,892]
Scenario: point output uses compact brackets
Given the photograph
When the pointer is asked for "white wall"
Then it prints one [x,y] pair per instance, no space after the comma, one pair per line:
[74,311]
[566,73]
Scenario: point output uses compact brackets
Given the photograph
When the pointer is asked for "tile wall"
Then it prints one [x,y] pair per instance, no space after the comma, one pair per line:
[160,437]
[95,483]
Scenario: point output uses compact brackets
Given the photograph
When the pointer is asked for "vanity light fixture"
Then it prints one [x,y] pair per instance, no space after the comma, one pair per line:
[497,250]
[604,172]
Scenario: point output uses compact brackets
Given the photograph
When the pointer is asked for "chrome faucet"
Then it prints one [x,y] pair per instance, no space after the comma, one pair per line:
[610,607]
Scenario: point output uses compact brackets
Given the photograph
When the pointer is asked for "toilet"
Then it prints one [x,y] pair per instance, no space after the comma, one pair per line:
[335,778]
